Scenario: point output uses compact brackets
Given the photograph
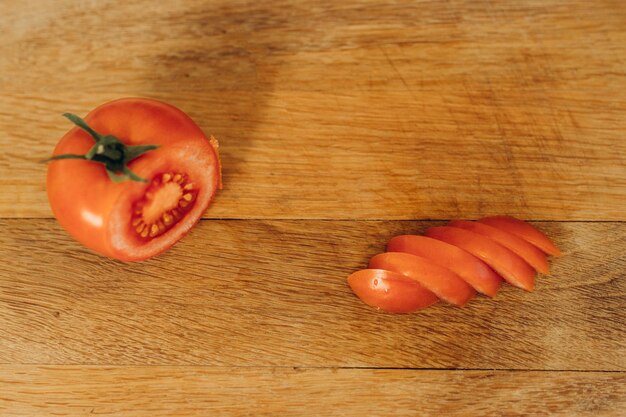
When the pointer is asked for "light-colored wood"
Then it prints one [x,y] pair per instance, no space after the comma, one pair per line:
[199,391]
[328,112]
[348,109]
[274,293]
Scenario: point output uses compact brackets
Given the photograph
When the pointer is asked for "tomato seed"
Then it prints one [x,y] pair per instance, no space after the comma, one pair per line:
[154,196]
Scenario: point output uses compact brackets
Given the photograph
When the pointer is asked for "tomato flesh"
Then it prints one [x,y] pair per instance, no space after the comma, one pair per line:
[474,271]
[441,281]
[167,200]
[106,216]
[524,230]
[512,268]
[528,252]
[390,291]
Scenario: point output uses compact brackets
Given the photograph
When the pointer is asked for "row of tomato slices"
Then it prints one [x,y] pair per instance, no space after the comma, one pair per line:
[452,263]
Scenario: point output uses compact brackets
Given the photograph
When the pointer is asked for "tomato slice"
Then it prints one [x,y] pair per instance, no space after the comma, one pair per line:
[512,268]
[390,291]
[527,251]
[524,230]
[444,283]
[131,220]
[474,271]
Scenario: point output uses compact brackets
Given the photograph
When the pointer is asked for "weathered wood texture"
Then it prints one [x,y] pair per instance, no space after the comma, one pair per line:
[326,109]
[338,120]
[274,293]
[198,391]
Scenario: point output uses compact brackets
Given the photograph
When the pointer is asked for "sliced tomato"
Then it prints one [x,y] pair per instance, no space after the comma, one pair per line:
[527,251]
[390,291]
[474,271]
[524,230]
[512,268]
[444,283]
[133,220]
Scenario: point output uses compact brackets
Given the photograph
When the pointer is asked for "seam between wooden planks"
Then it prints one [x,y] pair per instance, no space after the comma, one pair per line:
[391,220]
[328,219]
[304,368]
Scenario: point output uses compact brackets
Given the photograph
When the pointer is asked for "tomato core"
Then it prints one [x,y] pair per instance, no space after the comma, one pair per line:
[167,199]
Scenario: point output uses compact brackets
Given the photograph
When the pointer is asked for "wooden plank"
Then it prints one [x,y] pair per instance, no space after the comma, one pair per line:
[338,111]
[273,293]
[201,391]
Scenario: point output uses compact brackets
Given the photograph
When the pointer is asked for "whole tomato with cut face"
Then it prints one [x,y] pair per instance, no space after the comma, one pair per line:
[132,178]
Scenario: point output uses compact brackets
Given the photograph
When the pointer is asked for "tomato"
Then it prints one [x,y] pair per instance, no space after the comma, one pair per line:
[474,271]
[528,252]
[512,268]
[524,230]
[444,283]
[133,220]
[390,291]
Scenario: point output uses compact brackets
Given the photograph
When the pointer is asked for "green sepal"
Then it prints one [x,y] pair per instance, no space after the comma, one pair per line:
[83,125]
[64,156]
[133,152]
[109,151]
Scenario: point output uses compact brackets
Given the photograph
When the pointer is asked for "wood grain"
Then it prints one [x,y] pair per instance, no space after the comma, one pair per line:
[349,110]
[274,293]
[341,124]
[199,391]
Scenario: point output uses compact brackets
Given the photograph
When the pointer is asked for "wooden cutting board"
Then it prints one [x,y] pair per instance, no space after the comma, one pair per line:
[341,124]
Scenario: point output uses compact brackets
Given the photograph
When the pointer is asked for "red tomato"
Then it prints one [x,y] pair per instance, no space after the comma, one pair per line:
[134,220]
[444,283]
[525,250]
[390,291]
[524,230]
[474,271]
[513,268]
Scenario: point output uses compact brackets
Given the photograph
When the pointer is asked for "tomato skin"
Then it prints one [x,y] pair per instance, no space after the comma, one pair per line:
[474,271]
[528,252]
[95,210]
[444,283]
[512,268]
[524,230]
[390,291]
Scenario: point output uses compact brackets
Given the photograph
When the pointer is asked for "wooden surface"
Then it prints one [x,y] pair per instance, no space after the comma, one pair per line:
[250,293]
[333,109]
[202,391]
[341,124]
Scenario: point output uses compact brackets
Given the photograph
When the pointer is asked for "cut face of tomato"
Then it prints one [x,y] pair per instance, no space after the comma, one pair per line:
[523,230]
[132,220]
[513,268]
[474,271]
[528,252]
[444,283]
[390,291]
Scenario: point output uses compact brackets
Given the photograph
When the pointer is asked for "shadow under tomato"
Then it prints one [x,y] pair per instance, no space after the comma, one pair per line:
[220,70]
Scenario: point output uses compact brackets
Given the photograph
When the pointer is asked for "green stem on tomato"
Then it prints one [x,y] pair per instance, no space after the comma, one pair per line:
[109,151]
